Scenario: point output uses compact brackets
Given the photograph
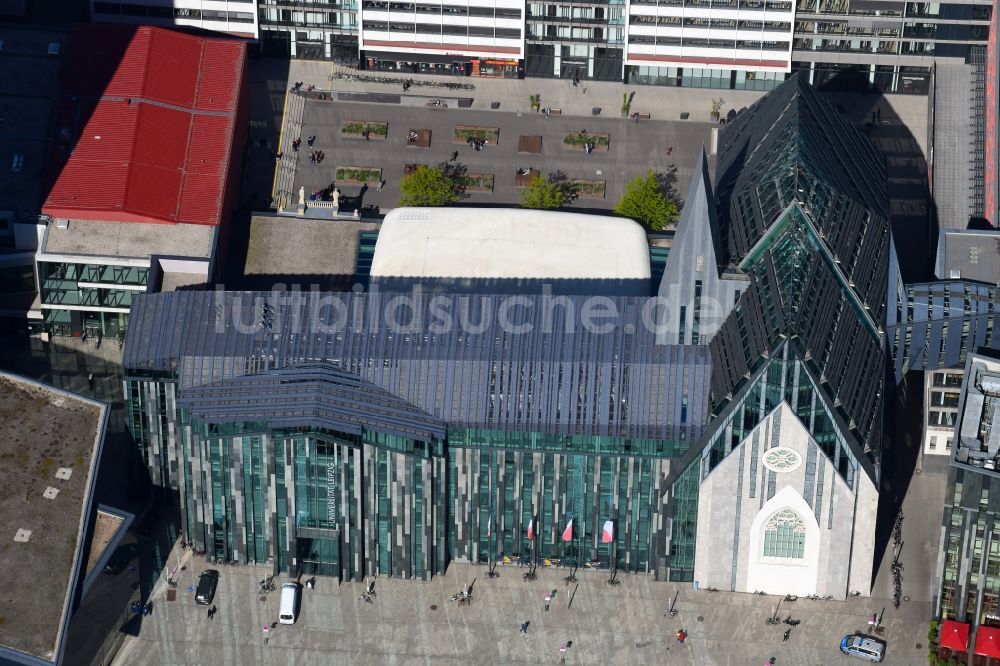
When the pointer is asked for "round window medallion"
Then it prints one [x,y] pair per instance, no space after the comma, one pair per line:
[781,459]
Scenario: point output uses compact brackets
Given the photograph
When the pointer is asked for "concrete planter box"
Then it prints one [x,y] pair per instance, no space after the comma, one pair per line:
[463,133]
[358,175]
[478,182]
[354,129]
[589,189]
[577,141]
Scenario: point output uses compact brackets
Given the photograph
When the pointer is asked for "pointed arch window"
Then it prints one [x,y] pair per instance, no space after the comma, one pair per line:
[785,535]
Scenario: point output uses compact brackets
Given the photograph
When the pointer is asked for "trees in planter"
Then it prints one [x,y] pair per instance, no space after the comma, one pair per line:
[645,202]
[431,186]
[547,193]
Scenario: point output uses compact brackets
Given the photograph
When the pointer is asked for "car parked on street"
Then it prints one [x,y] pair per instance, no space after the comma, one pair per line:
[866,647]
[206,587]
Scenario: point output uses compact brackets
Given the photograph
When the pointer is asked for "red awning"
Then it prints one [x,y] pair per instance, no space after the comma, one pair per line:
[988,642]
[954,636]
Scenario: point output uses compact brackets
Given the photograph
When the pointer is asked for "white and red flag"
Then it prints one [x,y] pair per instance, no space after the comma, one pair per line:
[608,534]
[531,529]
[568,532]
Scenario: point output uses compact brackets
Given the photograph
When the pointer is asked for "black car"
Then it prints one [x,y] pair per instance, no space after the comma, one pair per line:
[206,587]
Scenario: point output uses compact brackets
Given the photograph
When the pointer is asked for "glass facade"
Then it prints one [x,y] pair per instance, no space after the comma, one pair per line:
[806,219]
[786,379]
[96,297]
[349,505]
[970,577]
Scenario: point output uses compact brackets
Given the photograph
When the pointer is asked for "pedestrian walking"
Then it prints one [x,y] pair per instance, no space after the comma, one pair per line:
[878,113]
[381,184]
[524,626]
[454,156]
[311,140]
[90,380]
[873,115]
[788,633]
[681,636]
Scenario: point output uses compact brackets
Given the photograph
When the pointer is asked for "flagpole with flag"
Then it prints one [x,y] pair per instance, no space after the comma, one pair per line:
[608,536]
[531,537]
[567,534]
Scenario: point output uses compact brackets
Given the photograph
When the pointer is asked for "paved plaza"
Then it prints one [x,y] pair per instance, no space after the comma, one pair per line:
[414,622]
[633,148]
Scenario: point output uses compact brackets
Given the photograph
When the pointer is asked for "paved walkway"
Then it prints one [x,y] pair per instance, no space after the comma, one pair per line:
[413,622]
[662,102]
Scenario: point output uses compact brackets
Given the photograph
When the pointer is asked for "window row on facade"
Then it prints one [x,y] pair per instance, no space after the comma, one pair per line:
[149,11]
[439,9]
[714,23]
[709,43]
[753,5]
[439,29]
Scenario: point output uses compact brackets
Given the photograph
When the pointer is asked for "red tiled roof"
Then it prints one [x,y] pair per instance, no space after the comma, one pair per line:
[988,642]
[158,114]
[954,636]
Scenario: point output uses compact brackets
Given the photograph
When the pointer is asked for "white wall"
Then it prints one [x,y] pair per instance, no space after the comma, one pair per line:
[733,509]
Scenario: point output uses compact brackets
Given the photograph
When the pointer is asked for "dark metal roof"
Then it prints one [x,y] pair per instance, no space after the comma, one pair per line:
[534,377]
[309,395]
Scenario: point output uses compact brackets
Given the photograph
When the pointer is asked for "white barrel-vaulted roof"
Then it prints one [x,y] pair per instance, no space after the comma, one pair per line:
[509,243]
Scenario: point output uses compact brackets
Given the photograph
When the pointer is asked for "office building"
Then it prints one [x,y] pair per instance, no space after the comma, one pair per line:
[991,149]
[459,37]
[725,44]
[969,564]
[942,390]
[235,17]
[580,40]
[150,131]
[49,514]
[749,44]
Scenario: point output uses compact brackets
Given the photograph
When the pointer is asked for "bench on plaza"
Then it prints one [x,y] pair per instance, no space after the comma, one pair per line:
[555,112]
[644,116]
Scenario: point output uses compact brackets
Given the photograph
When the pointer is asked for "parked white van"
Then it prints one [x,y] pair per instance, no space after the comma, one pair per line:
[289,603]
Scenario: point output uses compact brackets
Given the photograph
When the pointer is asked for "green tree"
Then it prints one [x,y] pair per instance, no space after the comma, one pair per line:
[430,186]
[546,193]
[644,201]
